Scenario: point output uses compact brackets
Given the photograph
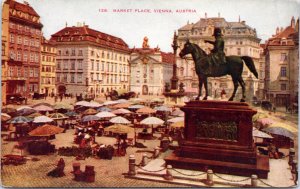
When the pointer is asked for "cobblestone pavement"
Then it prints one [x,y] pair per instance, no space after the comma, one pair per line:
[108,172]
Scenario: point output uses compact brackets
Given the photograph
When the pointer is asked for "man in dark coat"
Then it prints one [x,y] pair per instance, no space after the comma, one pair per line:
[217,55]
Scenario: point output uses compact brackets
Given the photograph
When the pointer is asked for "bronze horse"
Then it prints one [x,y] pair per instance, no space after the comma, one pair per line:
[205,68]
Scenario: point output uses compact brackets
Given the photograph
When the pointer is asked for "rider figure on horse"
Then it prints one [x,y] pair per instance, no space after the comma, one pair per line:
[217,55]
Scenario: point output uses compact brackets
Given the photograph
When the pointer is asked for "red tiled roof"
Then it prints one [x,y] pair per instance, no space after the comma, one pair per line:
[22,7]
[167,57]
[84,33]
[286,34]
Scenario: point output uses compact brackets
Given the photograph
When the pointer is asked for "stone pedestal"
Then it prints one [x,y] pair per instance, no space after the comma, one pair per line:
[174,98]
[218,136]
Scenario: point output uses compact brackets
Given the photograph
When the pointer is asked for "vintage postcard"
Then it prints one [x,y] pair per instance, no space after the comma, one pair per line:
[149,93]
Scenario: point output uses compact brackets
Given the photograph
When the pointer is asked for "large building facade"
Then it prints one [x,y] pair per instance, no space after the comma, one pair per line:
[282,65]
[150,70]
[4,54]
[240,39]
[48,71]
[90,62]
[24,49]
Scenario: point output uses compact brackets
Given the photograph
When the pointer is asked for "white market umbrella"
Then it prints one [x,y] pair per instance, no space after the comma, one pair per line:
[163,109]
[138,106]
[177,112]
[24,107]
[119,120]
[82,103]
[94,104]
[42,119]
[121,111]
[152,121]
[260,134]
[121,101]
[110,103]
[176,119]
[105,114]
[43,108]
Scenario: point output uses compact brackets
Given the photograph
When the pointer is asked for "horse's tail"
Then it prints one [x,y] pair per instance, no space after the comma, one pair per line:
[250,64]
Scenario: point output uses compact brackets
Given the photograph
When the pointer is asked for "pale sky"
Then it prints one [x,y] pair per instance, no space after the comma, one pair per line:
[264,15]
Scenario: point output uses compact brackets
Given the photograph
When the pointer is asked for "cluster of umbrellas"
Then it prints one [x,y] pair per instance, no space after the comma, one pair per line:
[273,127]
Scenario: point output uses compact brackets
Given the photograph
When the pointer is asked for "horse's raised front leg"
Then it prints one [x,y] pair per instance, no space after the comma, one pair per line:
[242,83]
[235,83]
[200,88]
[206,90]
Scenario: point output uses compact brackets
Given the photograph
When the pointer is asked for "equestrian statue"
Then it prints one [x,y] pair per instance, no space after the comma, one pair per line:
[217,64]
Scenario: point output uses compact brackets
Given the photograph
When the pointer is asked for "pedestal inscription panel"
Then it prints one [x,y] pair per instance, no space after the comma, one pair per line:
[218,135]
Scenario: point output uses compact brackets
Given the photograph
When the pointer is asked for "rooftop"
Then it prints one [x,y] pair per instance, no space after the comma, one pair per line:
[84,33]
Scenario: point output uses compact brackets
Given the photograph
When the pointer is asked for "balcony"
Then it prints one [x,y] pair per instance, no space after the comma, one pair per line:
[16,78]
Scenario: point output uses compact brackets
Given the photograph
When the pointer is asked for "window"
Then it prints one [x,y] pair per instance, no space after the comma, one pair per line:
[19,72]
[67,52]
[92,76]
[58,65]
[98,77]
[73,65]
[36,72]
[43,58]
[12,55]
[102,68]
[107,55]
[31,72]
[37,43]
[12,38]
[92,53]
[98,65]
[80,53]
[10,71]
[102,56]
[32,42]
[79,78]
[19,40]
[92,64]
[65,78]
[283,87]
[72,78]
[65,65]
[238,51]
[25,72]
[25,41]
[36,58]
[31,57]
[59,52]
[73,52]
[80,64]
[283,71]
[283,57]
[19,56]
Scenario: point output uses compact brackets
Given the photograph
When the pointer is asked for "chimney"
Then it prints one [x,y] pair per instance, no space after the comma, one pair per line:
[205,15]
[281,29]
[26,3]
[297,25]
[218,14]
[243,22]
[188,22]
[277,30]
[66,24]
[239,18]
[293,22]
